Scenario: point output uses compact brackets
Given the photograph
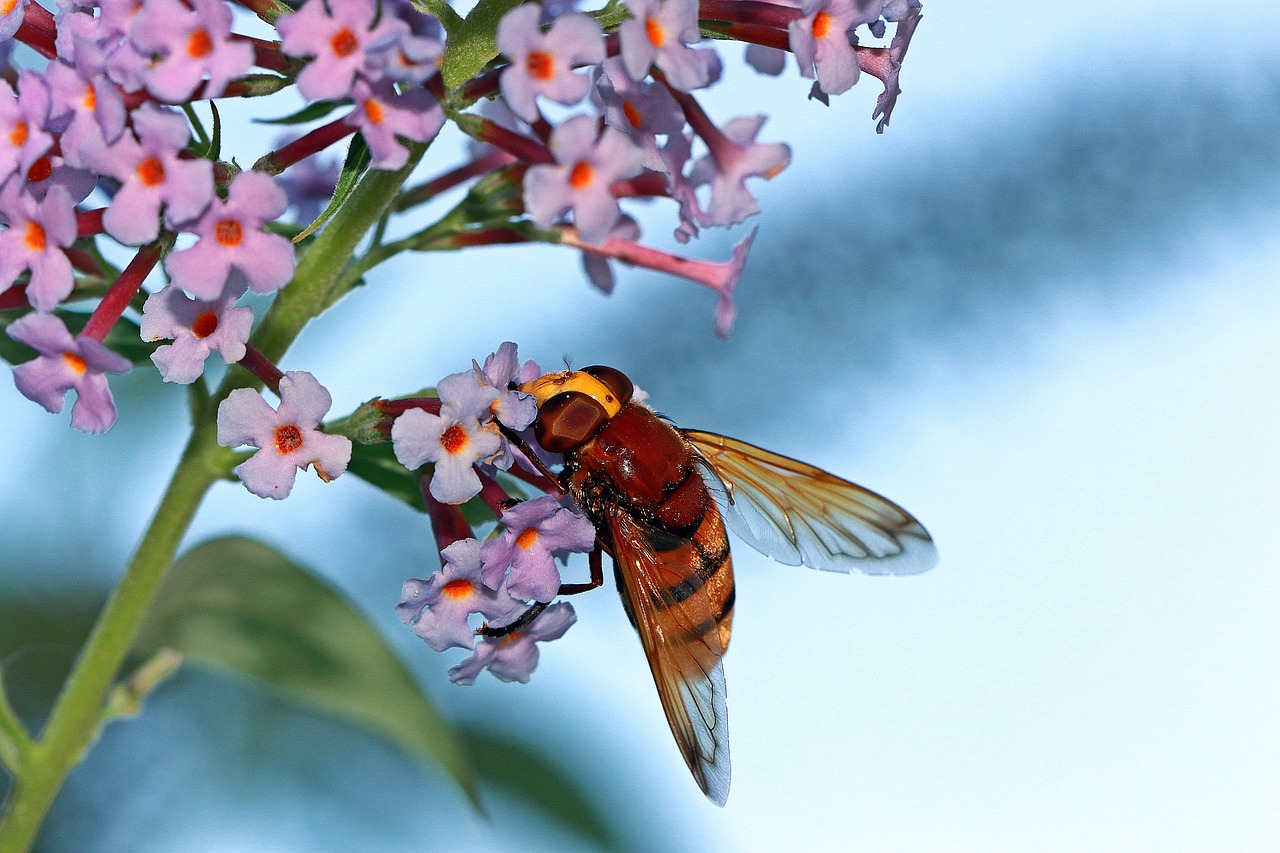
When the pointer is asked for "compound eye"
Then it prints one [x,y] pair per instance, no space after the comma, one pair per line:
[613,379]
[567,421]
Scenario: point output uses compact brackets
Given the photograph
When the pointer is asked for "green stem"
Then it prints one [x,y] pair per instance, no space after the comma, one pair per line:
[78,715]
[14,740]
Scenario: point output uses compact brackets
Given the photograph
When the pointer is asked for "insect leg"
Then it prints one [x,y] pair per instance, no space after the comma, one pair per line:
[525,618]
[597,575]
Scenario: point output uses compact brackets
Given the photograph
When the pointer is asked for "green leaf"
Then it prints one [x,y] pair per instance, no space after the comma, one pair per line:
[474,41]
[356,164]
[311,112]
[124,338]
[235,604]
[518,770]
[441,11]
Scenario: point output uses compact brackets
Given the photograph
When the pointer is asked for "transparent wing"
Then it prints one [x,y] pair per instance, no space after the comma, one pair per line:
[799,514]
[683,646]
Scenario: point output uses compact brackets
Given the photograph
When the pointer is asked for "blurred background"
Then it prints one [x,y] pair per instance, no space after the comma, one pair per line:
[1040,312]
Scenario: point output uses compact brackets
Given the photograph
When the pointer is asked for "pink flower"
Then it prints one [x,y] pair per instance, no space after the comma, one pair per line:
[586,167]
[820,40]
[287,437]
[438,608]
[190,43]
[38,233]
[542,64]
[535,529]
[231,237]
[342,41]
[382,115]
[197,328]
[735,156]
[515,656]
[64,364]
[659,33]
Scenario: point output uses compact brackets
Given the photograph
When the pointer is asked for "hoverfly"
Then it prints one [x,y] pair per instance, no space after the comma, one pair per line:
[659,497]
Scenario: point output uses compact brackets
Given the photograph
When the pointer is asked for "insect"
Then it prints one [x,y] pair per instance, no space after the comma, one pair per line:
[659,498]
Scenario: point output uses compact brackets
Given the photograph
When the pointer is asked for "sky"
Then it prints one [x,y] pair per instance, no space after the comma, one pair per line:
[1039,312]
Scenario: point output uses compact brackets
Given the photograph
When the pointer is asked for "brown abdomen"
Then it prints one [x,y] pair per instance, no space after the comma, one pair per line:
[641,463]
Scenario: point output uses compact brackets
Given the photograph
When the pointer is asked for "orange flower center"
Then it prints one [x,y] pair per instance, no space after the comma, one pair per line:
[199,45]
[90,99]
[228,233]
[581,175]
[454,439]
[373,109]
[7,6]
[151,172]
[288,439]
[75,362]
[540,65]
[344,42]
[205,325]
[460,588]
[821,25]
[527,537]
[18,136]
[35,237]
[632,114]
[653,29]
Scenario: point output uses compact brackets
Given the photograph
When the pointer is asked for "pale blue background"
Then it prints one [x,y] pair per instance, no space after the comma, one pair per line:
[1040,311]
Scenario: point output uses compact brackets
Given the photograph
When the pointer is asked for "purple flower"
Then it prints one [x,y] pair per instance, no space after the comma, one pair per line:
[309,185]
[231,237]
[640,110]
[453,441]
[542,64]
[515,656]
[66,363]
[417,53]
[340,37]
[190,44]
[88,111]
[197,328]
[585,168]
[437,609]
[659,34]
[382,115]
[37,234]
[287,437]
[22,120]
[820,40]
[534,529]
[735,157]
[513,409]
[151,174]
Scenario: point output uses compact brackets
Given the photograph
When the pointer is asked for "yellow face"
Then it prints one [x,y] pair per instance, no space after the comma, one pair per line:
[550,384]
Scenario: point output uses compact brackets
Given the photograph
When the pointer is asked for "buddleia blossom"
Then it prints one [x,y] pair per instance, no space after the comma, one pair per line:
[735,156]
[37,233]
[197,328]
[341,38]
[659,33]
[23,115]
[820,43]
[438,609]
[452,441]
[513,409]
[287,437]
[515,656]
[152,175]
[189,43]
[543,63]
[383,115]
[231,237]
[66,363]
[586,167]
[535,531]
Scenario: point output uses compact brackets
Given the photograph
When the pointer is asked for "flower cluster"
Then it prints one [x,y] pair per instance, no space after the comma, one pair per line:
[510,578]
[107,121]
